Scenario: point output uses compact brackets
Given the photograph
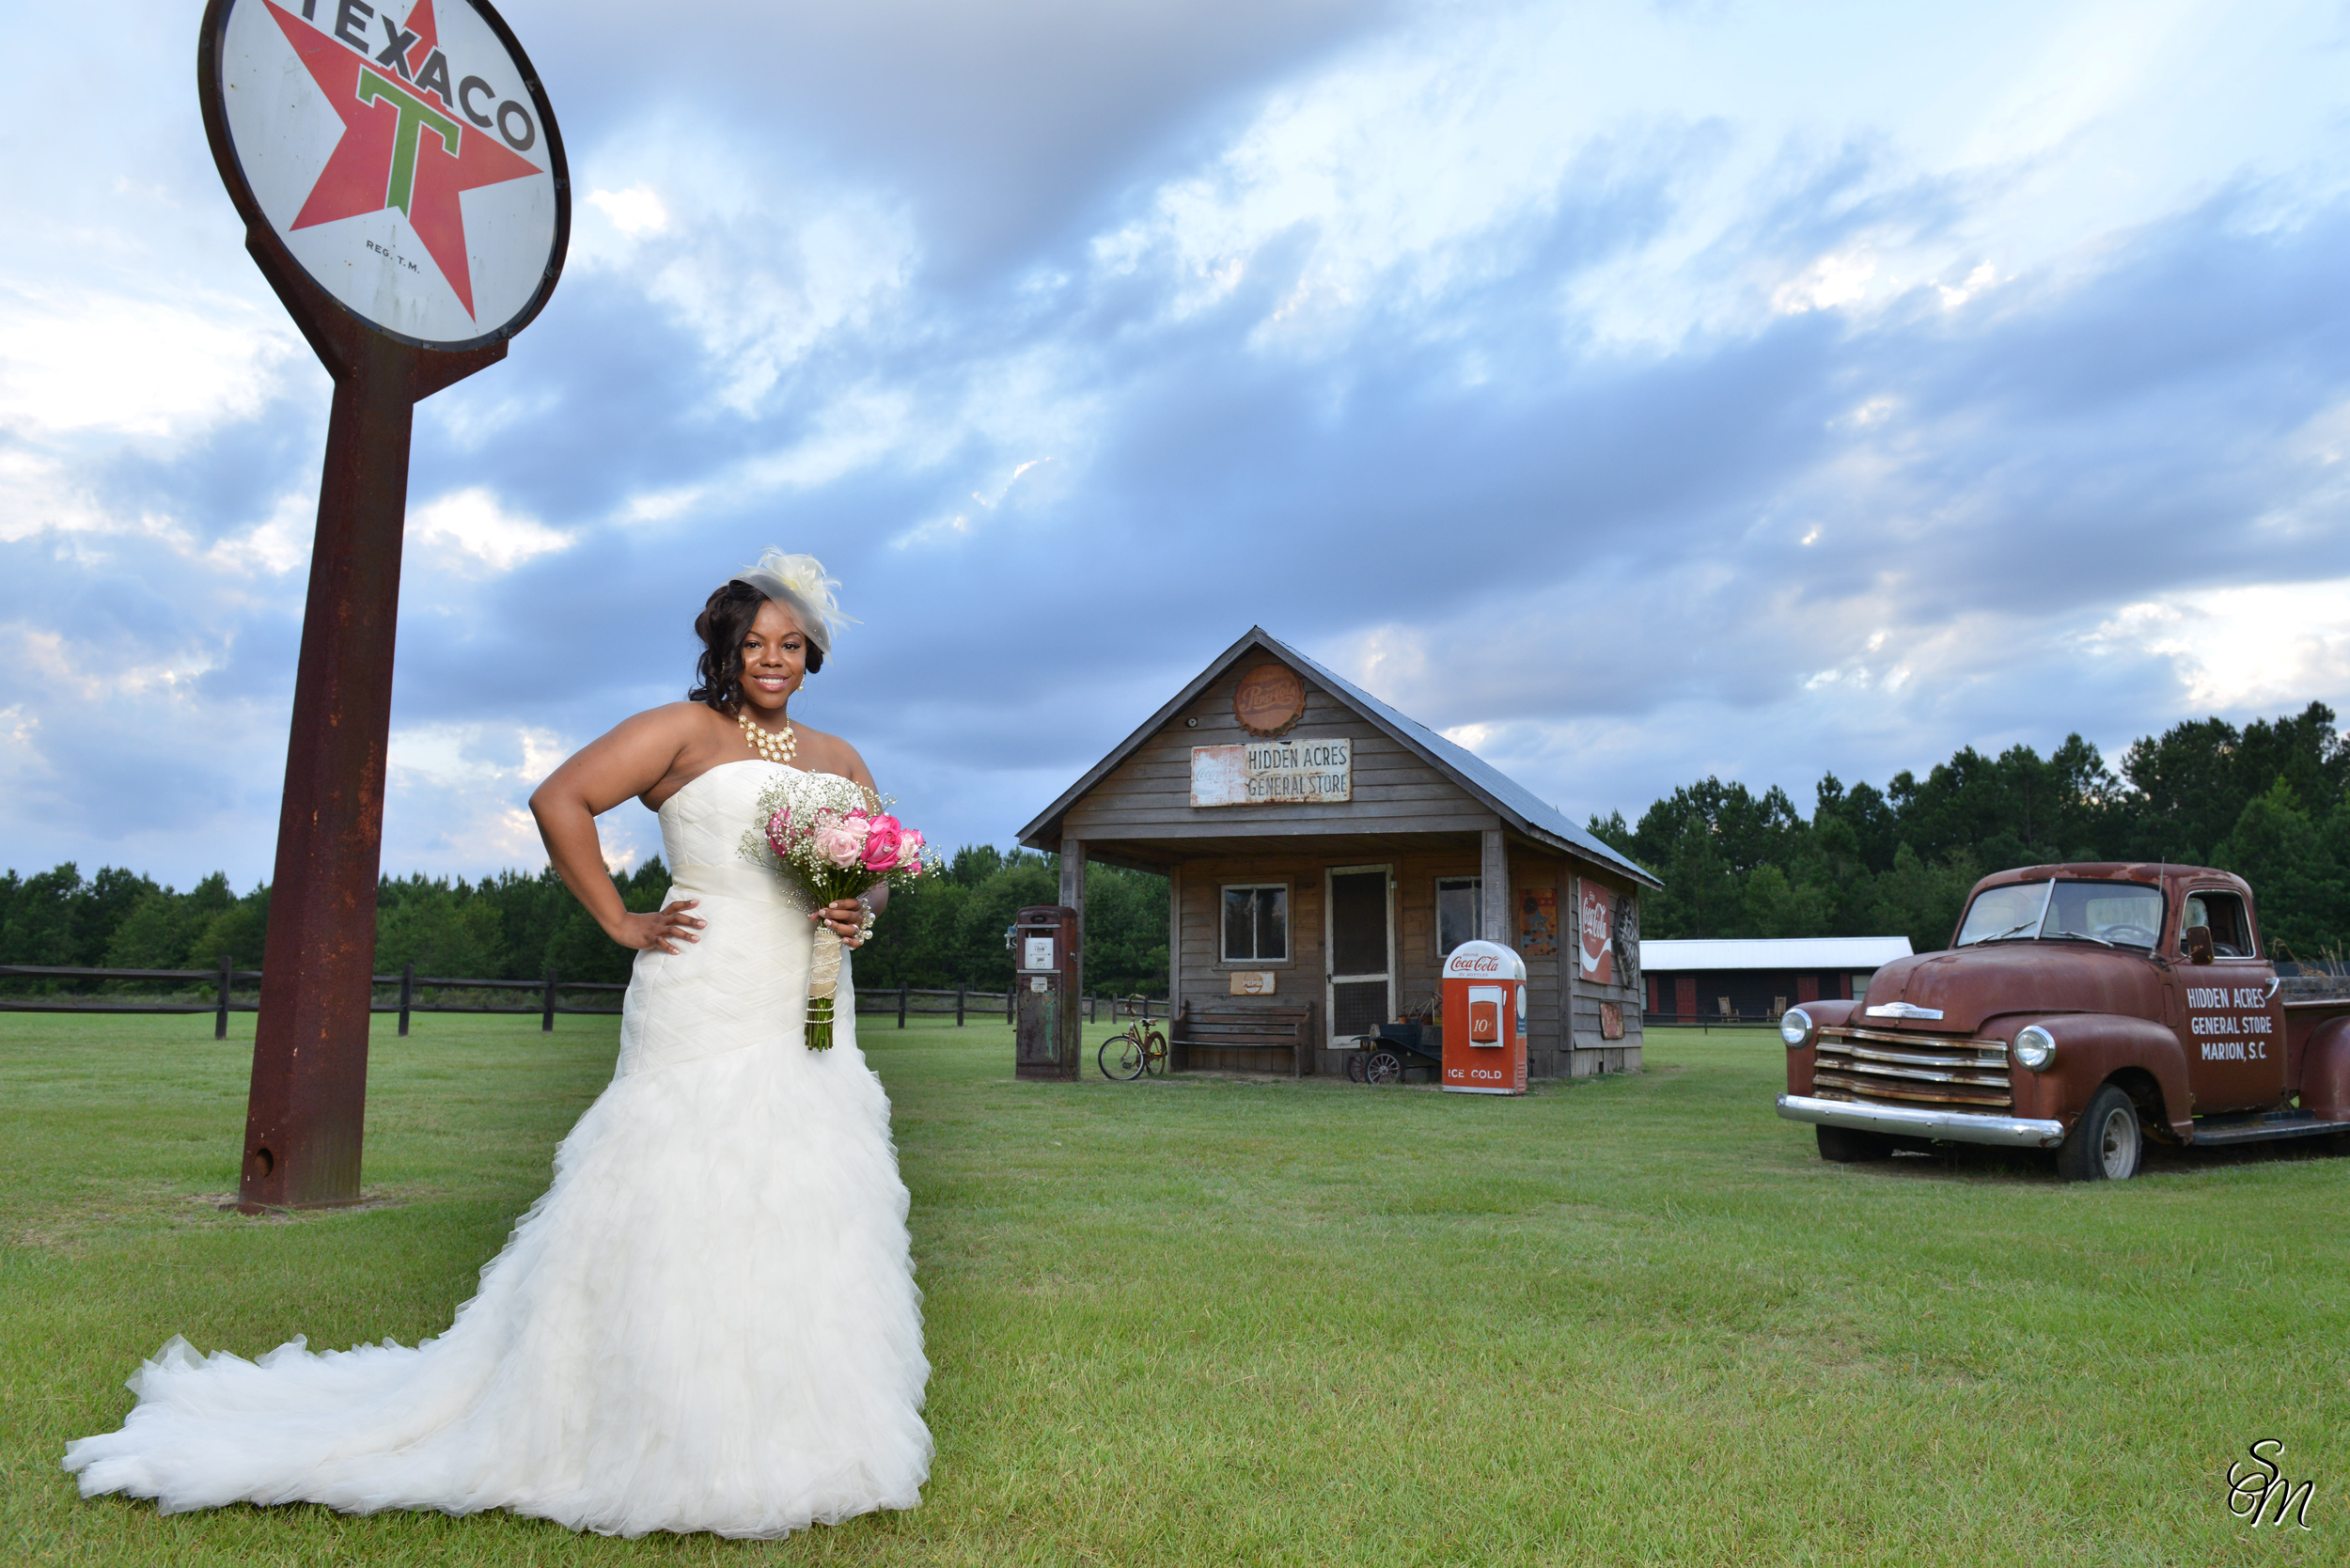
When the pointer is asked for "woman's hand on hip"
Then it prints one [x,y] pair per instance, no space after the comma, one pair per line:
[845,919]
[661,930]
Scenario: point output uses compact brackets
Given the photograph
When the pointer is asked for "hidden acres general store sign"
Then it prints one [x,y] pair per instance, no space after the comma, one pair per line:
[1272,770]
[1273,773]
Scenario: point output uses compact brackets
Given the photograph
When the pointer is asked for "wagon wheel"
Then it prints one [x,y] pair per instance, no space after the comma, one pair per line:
[1383,1067]
[1354,1066]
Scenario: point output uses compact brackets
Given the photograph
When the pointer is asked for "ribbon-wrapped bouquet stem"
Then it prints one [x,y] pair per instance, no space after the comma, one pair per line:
[833,837]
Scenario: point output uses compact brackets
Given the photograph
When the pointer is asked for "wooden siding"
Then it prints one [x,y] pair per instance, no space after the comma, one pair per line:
[1149,795]
[1592,1049]
[1414,867]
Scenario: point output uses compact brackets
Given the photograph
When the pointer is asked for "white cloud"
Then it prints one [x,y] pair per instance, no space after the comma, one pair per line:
[458,800]
[278,543]
[761,261]
[80,359]
[2264,646]
[475,523]
[1837,278]
[635,212]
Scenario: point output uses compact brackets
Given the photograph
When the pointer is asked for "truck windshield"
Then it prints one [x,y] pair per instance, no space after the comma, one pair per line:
[2119,914]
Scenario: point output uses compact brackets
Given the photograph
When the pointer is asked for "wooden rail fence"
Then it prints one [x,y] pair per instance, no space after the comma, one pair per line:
[413,993]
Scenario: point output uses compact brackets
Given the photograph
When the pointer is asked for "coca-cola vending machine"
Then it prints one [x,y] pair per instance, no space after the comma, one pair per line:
[1485,1020]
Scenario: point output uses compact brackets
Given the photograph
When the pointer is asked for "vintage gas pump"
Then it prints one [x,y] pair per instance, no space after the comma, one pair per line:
[1485,1020]
[1045,1016]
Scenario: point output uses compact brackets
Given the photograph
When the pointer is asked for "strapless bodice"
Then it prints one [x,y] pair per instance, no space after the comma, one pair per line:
[745,982]
[705,821]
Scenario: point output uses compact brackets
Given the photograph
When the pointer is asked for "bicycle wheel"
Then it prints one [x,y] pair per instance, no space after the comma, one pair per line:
[1154,1054]
[1127,1063]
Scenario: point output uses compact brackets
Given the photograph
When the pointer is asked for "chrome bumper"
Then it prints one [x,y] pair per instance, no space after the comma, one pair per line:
[1903,1121]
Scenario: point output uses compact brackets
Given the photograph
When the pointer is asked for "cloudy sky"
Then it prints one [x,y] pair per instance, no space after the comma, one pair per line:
[1634,391]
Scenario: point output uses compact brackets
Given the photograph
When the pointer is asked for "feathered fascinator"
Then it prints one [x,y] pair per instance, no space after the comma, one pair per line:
[798,582]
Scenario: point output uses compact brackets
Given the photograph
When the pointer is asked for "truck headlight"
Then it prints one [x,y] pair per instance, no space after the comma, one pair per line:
[2035,1047]
[1794,1027]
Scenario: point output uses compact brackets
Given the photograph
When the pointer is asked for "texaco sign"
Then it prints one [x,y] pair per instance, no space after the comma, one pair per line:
[405,156]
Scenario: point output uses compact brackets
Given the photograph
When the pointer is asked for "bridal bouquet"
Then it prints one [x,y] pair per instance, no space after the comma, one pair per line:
[833,837]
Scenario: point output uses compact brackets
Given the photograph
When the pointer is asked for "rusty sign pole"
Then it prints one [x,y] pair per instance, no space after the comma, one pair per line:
[346,154]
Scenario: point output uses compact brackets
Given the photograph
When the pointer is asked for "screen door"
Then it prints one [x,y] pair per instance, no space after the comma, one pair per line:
[1361,949]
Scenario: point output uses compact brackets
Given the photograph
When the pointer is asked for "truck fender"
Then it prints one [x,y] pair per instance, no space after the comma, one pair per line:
[1801,1060]
[2093,1047]
[2326,1071]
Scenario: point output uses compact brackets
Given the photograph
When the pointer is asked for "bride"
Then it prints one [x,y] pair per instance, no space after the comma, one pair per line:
[709,1320]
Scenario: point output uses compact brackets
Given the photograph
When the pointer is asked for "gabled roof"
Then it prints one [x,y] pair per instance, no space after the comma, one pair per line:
[1670,956]
[1505,797]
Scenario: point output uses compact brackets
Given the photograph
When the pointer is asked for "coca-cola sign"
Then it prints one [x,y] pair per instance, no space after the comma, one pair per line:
[1485,960]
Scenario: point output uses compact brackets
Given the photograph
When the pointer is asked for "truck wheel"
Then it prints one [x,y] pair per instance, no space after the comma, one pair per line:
[2106,1144]
[1847,1145]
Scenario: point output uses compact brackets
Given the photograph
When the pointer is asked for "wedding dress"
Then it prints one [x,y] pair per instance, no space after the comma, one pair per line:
[707,1323]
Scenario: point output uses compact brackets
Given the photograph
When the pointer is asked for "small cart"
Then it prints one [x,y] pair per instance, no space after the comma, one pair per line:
[1392,1051]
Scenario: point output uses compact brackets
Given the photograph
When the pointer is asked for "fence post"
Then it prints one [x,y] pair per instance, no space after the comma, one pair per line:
[407,996]
[958,1007]
[220,1019]
[546,1019]
[1008,1003]
[901,1004]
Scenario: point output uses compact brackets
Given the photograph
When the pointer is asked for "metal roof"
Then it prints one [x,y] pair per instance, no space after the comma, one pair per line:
[1516,805]
[1671,956]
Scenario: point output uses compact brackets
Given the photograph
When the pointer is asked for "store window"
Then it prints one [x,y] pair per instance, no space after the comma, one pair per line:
[1460,912]
[1257,923]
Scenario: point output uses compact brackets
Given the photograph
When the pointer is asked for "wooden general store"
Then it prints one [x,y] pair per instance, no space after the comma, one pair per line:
[1325,852]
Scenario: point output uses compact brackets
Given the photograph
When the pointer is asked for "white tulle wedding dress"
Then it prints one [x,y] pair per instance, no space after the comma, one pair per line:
[707,1323]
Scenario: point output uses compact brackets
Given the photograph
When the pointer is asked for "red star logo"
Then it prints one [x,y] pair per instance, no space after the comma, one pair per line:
[404,144]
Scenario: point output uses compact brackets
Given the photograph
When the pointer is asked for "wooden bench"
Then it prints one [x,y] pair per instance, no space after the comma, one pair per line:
[1243,1029]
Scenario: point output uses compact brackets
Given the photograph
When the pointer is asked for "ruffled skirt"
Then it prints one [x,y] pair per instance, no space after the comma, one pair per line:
[707,1323]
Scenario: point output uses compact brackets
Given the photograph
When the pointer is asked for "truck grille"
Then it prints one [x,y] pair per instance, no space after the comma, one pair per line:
[1890,1068]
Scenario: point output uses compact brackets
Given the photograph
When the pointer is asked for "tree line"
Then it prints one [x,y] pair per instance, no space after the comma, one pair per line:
[513,925]
[2270,801]
[2267,801]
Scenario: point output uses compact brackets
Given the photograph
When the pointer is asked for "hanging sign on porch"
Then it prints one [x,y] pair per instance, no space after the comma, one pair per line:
[1294,772]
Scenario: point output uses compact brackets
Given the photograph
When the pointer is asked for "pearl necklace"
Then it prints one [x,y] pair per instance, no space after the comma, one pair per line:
[768,743]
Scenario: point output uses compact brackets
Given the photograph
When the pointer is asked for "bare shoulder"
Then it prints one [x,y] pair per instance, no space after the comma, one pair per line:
[683,722]
[649,755]
[686,720]
[821,753]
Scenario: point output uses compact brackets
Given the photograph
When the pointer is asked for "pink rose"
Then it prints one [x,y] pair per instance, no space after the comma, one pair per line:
[780,830]
[839,845]
[910,851]
[883,842]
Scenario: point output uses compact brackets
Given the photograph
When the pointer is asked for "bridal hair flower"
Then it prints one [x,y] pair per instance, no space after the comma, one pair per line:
[798,582]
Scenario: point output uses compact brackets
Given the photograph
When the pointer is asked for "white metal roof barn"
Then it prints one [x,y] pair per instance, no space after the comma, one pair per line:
[1754,979]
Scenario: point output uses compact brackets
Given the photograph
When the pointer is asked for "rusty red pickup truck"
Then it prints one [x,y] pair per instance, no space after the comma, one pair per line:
[2083,1008]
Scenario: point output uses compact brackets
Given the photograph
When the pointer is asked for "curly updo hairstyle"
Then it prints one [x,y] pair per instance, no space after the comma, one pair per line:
[723,624]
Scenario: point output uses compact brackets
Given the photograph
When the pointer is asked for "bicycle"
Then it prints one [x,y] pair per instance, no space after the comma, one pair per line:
[1140,1048]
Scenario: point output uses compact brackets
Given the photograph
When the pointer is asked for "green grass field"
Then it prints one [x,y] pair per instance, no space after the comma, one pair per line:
[1216,1321]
